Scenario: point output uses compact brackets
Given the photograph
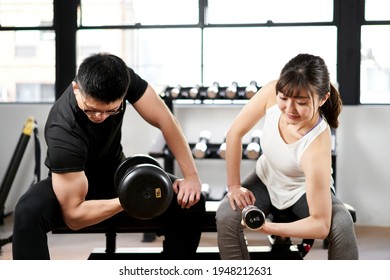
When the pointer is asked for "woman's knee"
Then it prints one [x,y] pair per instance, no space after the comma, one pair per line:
[342,237]
[342,224]
[226,216]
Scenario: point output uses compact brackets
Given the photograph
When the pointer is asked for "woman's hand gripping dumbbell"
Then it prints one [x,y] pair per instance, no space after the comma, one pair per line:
[252,217]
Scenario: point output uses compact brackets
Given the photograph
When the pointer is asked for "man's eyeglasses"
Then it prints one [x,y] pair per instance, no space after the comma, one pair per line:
[95,113]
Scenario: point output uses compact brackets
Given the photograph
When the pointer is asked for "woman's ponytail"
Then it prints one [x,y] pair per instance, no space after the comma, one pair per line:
[332,107]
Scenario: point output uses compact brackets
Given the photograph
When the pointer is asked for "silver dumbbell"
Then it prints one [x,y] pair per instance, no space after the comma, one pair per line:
[212,91]
[252,217]
[200,149]
[206,190]
[251,90]
[194,92]
[231,91]
[175,92]
[222,150]
[253,149]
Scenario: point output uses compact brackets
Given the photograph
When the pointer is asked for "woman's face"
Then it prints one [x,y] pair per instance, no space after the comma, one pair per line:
[298,108]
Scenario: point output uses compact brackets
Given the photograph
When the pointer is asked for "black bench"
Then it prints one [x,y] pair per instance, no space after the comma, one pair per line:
[122,223]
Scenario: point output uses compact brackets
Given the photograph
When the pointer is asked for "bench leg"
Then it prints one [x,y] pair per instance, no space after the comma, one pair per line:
[110,242]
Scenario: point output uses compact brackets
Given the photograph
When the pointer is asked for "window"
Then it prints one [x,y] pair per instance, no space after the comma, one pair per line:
[184,43]
[375,55]
[27,50]
[196,41]
[138,12]
[25,13]
[34,92]
[161,56]
[262,11]
[259,54]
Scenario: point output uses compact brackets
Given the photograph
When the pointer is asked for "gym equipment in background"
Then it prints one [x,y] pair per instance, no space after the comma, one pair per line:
[213,91]
[232,91]
[251,90]
[253,149]
[175,92]
[194,92]
[29,128]
[201,149]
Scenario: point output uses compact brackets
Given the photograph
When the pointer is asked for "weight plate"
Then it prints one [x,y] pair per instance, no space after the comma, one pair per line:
[129,162]
[145,191]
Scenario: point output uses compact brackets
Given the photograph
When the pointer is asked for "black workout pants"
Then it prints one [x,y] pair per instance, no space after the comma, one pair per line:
[38,212]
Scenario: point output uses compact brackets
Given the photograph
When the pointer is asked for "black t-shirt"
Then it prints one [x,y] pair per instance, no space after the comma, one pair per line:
[77,144]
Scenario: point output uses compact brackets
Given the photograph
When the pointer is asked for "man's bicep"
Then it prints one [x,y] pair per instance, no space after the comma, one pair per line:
[70,188]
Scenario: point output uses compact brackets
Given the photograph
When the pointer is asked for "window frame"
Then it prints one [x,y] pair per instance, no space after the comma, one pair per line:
[348,18]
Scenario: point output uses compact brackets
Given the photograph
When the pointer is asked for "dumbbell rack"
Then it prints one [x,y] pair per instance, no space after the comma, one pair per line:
[184,93]
[213,149]
[182,96]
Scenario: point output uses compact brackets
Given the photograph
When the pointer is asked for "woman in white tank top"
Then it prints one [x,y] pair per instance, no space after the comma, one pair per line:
[295,170]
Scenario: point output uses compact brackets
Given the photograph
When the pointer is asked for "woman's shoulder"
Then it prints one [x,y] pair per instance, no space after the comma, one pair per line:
[270,93]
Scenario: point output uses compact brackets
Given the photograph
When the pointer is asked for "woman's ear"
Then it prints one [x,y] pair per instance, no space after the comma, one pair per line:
[324,98]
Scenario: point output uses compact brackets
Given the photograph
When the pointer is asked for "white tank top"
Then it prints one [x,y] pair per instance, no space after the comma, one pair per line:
[279,165]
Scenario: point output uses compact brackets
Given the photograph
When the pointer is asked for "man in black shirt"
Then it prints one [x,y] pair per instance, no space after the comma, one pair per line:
[83,136]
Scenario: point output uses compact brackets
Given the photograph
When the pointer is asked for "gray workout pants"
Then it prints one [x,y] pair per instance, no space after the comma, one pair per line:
[231,238]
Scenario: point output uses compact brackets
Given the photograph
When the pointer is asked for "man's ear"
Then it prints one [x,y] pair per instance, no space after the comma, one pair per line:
[75,87]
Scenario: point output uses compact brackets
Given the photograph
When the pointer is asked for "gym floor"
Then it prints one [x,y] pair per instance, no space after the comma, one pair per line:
[373,242]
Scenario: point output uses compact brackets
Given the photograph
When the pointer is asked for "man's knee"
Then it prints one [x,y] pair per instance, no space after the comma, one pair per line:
[25,216]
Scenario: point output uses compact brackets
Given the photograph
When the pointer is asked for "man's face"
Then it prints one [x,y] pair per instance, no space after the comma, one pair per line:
[95,110]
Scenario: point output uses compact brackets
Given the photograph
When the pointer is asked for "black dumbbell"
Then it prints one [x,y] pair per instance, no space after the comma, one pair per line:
[252,217]
[251,90]
[200,149]
[253,149]
[144,188]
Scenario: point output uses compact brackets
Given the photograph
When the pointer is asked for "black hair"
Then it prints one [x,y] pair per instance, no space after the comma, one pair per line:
[104,77]
[309,73]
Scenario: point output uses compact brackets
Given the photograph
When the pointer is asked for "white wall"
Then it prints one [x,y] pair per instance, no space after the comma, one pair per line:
[363,151]
[363,162]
